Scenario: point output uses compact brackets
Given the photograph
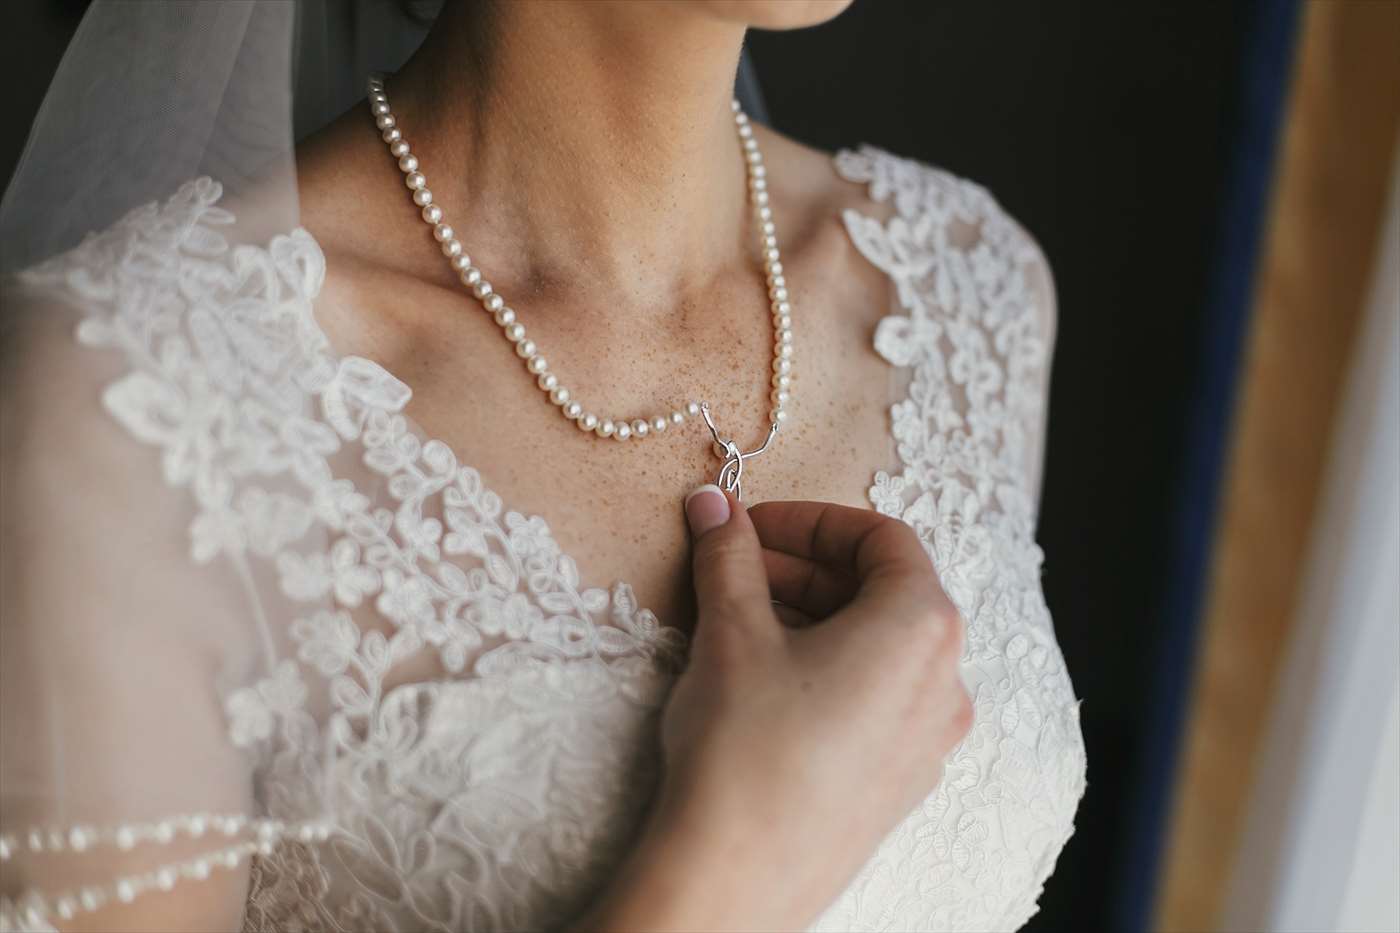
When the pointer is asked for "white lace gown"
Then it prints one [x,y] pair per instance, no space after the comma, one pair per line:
[497,787]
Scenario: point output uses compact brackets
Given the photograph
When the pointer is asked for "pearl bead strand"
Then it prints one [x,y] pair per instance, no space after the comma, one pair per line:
[266,834]
[530,353]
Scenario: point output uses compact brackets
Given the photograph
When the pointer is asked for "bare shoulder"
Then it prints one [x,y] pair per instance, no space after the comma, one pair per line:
[865,205]
[814,207]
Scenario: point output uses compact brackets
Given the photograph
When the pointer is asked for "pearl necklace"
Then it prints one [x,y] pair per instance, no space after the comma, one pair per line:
[537,365]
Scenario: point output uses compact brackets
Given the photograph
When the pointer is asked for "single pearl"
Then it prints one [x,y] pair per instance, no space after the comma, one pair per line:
[547,381]
[398,146]
[780,397]
[198,825]
[494,303]
[572,411]
[471,276]
[560,395]
[432,213]
[778,415]
[751,145]
[622,431]
[165,879]
[442,232]
[785,336]
[505,316]
[481,289]
[384,121]
[692,409]
[784,322]
[784,307]
[757,183]
[660,423]
[126,838]
[777,267]
[740,117]
[777,281]
[779,294]
[461,263]
[515,331]
[782,366]
[606,428]
[641,427]
[782,380]
[526,349]
[677,418]
[415,180]
[452,248]
[90,898]
[422,197]
[537,364]
[765,212]
[785,351]
[126,892]
[408,163]
[759,171]
[768,228]
[163,833]
[66,908]
[199,869]
[379,109]
[588,422]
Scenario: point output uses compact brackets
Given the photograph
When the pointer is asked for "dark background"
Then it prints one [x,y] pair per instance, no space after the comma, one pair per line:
[1109,129]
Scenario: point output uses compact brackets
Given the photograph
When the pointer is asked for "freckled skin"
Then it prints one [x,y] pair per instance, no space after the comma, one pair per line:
[614,506]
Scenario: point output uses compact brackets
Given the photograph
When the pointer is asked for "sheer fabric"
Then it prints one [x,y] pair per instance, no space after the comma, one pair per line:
[401,708]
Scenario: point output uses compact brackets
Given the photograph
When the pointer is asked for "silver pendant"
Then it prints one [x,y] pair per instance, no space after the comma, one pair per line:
[731,474]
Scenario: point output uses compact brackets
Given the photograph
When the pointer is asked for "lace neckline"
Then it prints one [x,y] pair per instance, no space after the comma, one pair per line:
[368,369]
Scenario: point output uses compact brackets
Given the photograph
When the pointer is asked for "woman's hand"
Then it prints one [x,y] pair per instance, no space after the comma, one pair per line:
[792,751]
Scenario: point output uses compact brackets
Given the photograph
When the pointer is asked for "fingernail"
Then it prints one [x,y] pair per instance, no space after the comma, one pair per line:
[705,508]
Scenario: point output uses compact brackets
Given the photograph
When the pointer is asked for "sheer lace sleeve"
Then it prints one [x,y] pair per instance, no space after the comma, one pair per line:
[116,779]
[124,804]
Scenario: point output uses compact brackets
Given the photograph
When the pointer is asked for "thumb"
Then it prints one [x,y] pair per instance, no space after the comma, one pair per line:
[729,573]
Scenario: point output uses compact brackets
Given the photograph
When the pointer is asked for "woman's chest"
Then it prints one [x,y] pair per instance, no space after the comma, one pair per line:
[615,505]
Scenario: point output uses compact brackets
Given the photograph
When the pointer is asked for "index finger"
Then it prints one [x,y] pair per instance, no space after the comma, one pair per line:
[858,541]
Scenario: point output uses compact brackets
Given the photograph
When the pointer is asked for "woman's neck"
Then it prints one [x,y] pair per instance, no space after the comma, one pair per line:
[586,147]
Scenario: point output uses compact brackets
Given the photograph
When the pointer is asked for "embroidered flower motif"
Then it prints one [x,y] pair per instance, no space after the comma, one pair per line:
[253,711]
[887,495]
[328,641]
[530,538]
[406,600]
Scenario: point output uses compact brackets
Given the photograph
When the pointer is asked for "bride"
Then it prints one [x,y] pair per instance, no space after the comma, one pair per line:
[374,554]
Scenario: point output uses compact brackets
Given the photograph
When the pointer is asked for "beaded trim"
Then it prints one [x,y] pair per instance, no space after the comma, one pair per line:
[35,907]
